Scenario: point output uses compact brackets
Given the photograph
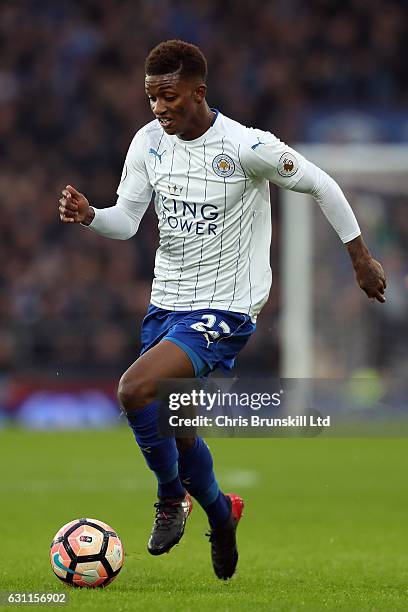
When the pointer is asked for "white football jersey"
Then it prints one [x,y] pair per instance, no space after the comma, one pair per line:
[213,206]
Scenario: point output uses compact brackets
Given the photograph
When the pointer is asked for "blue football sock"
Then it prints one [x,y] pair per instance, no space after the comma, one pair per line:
[161,454]
[197,475]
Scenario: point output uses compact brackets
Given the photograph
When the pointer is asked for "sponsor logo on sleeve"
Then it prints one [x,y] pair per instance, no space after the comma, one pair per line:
[288,165]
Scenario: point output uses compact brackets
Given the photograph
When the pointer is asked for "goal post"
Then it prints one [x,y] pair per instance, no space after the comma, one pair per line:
[374,169]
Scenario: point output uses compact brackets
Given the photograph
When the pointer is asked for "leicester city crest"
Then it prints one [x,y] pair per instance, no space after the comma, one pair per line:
[223,165]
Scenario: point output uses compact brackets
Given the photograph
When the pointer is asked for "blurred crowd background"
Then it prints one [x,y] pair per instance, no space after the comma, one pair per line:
[71,98]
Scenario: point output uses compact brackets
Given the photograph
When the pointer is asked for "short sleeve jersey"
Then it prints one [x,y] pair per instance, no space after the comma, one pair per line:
[212,201]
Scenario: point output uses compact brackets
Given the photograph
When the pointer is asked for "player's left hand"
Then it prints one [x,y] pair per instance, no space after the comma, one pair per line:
[371,278]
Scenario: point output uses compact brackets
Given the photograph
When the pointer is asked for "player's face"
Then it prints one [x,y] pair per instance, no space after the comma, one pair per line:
[178,104]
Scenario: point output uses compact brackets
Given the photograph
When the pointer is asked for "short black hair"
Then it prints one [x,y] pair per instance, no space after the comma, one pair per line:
[173,55]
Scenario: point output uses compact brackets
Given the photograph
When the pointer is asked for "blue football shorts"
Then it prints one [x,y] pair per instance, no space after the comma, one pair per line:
[211,338]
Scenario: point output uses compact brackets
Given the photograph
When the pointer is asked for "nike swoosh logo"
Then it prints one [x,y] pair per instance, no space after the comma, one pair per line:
[64,567]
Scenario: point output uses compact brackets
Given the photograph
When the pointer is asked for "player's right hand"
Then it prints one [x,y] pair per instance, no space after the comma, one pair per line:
[74,207]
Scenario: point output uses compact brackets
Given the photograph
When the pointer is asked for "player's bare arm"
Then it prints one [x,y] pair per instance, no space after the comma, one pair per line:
[74,207]
[369,272]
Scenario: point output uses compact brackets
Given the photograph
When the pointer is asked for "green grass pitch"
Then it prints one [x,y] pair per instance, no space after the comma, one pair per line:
[325,523]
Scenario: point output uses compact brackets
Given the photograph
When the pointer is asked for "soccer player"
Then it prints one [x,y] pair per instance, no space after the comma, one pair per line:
[210,178]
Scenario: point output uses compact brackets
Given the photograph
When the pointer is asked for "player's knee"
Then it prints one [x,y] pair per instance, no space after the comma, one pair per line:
[184,444]
[135,392]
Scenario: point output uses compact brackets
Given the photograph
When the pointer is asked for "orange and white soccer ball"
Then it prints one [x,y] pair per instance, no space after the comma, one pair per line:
[86,553]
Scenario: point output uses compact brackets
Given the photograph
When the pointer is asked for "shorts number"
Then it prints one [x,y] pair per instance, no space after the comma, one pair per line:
[209,322]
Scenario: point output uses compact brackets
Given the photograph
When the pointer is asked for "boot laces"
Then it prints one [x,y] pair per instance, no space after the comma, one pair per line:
[165,513]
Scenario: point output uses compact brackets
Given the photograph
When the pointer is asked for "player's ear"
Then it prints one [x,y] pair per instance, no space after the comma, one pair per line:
[199,93]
